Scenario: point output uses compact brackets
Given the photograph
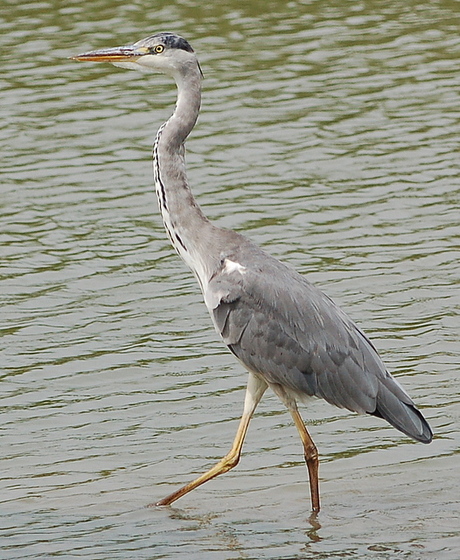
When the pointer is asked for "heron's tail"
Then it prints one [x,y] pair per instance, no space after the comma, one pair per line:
[394,406]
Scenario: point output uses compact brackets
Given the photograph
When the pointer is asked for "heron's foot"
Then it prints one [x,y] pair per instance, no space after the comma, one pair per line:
[315,526]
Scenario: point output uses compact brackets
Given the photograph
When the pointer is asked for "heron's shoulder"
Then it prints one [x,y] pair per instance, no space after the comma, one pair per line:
[244,256]
[245,272]
[250,279]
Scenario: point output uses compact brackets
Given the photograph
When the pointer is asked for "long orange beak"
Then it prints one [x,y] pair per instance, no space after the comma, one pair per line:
[116,54]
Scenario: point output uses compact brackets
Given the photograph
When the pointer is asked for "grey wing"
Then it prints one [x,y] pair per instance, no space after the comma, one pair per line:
[290,333]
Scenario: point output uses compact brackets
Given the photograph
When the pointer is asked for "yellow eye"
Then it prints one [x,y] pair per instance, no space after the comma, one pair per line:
[158,49]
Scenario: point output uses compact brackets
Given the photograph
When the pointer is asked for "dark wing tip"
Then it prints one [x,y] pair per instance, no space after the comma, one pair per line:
[408,420]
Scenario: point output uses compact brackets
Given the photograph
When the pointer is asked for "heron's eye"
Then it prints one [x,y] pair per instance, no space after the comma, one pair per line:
[157,49]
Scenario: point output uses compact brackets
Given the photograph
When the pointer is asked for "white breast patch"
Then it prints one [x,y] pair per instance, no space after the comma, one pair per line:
[232,266]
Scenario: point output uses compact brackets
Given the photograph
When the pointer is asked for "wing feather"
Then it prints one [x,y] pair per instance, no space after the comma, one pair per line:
[283,328]
[287,331]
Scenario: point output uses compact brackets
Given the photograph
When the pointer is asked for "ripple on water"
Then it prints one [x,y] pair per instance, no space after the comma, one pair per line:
[329,133]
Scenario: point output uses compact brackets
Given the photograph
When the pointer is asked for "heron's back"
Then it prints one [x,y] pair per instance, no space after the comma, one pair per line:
[284,329]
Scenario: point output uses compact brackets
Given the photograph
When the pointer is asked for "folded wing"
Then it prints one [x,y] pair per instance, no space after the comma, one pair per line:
[284,329]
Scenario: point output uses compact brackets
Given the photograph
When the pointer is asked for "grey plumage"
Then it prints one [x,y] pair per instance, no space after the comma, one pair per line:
[287,333]
[283,328]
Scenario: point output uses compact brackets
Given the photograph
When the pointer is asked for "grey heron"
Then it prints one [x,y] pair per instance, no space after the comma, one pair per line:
[288,334]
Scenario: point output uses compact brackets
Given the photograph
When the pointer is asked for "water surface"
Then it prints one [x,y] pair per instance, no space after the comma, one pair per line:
[330,135]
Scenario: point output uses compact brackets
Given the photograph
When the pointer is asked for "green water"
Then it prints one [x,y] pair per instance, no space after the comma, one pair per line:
[329,134]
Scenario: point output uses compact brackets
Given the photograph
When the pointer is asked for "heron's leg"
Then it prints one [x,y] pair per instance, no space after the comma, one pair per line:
[311,457]
[255,389]
[310,451]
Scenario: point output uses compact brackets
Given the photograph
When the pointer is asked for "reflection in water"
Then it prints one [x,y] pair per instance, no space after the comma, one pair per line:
[329,133]
[312,533]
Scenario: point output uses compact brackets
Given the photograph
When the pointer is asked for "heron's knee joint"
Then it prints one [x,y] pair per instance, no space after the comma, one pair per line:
[230,461]
[311,455]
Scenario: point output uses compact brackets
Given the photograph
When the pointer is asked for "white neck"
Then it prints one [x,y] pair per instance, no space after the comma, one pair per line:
[186,225]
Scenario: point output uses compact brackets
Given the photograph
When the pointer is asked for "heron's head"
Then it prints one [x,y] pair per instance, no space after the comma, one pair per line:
[164,52]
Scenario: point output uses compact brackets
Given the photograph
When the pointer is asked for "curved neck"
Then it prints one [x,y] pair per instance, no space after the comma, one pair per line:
[184,221]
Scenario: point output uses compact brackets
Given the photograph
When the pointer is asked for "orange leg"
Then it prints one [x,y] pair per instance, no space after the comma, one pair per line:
[311,458]
[255,389]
